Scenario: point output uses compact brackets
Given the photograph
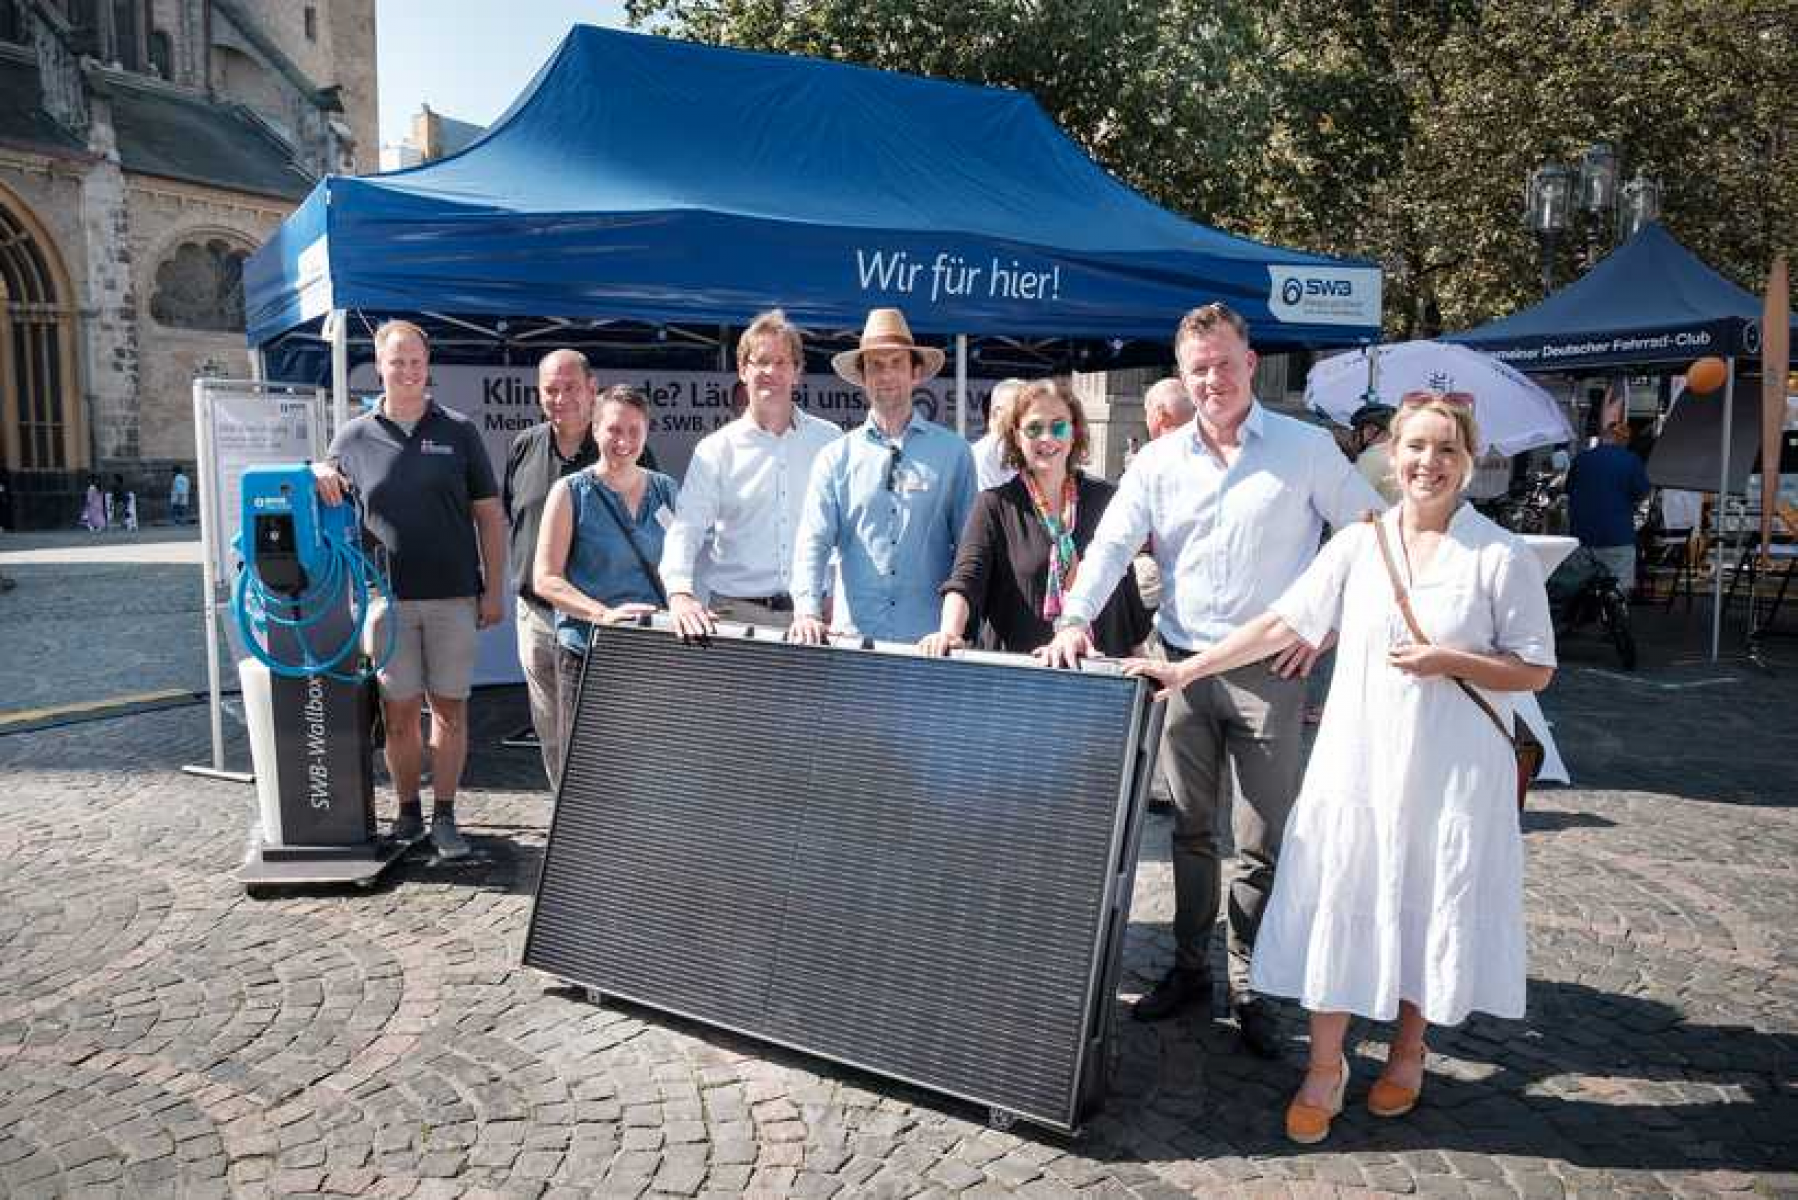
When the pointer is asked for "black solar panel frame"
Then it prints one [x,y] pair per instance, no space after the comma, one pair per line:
[741,986]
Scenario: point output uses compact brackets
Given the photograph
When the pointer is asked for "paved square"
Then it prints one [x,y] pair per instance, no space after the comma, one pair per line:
[162,1034]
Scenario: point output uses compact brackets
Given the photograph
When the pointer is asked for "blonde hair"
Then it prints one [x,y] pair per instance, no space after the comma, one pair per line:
[1467,430]
[395,328]
[1011,452]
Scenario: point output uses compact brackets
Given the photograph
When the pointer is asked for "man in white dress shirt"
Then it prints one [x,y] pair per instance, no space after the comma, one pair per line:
[730,548]
[990,470]
[1236,502]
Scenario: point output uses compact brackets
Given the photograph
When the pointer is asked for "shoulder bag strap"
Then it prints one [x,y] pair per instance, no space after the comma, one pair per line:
[1404,607]
[630,537]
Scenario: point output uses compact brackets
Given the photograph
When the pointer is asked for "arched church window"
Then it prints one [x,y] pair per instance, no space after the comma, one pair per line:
[200,286]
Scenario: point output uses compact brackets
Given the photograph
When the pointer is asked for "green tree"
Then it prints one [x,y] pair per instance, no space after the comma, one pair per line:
[1160,92]
[1401,133]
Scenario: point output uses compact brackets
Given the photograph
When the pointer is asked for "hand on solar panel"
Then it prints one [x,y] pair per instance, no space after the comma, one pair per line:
[938,645]
[1169,677]
[808,631]
[693,622]
[1071,644]
[620,613]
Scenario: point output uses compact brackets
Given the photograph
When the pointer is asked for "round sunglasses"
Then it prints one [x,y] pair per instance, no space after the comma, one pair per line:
[1061,430]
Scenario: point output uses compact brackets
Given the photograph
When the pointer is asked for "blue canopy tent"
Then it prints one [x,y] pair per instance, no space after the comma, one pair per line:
[640,179]
[1651,304]
[1654,306]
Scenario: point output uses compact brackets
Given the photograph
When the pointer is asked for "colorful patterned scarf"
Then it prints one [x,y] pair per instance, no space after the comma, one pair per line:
[1064,560]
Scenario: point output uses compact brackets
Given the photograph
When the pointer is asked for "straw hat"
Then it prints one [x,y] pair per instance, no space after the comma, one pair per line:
[886,330]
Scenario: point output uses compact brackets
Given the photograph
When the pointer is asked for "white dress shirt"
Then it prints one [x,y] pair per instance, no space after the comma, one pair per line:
[990,470]
[739,508]
[1228,540]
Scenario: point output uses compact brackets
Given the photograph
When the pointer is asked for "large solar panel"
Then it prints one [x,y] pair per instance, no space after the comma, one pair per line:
[918,867]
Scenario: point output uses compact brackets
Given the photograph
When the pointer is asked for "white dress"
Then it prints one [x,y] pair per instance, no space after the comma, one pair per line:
[1401,871]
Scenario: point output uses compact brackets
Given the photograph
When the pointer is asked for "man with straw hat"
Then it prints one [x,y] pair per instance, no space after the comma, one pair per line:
[888,499]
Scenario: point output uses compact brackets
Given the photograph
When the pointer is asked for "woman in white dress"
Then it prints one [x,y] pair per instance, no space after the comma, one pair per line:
[1399,891]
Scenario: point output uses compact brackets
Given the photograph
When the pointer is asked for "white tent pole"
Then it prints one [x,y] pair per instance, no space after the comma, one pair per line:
[340,367]
[961,386]
[258,369]
[1729,403]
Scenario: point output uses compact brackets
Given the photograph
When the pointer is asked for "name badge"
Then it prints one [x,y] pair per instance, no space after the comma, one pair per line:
[427,446]
[664,517]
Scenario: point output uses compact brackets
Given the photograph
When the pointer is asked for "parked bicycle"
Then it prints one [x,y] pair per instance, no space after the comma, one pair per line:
[1582,593]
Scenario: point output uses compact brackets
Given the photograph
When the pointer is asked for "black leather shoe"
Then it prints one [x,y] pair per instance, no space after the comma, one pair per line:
[1255,1021]
[1178,991]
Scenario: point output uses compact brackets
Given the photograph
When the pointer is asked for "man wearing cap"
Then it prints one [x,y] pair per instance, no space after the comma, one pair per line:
[889,499]
[731,544]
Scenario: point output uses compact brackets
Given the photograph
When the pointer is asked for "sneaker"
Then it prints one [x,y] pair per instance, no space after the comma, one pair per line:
[409,826]
[449,841]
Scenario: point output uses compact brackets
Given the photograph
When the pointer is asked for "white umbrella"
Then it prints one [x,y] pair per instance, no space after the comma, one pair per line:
[1513,413]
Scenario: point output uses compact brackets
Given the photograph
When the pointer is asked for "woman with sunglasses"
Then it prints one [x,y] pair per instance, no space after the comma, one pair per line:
[1400,890]
[1023,539]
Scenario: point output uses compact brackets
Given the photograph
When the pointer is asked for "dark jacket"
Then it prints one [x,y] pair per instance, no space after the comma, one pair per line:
[1002,569]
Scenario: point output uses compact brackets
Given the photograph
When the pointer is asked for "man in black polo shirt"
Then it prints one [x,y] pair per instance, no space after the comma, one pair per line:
[427,491]
[560,446]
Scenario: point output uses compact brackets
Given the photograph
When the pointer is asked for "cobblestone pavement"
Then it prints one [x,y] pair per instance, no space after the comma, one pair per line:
[97,617]
[162,1034]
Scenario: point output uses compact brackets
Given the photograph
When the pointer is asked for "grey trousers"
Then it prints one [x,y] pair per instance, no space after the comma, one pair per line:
[1248,719]
[537,655]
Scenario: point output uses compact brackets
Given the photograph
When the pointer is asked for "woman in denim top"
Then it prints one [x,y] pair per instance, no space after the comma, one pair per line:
[586,565]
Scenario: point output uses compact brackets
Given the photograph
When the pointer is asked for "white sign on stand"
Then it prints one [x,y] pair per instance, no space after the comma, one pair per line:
[240,424]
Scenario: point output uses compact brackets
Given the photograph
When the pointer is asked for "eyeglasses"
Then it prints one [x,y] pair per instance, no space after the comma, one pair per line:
[1454,399]
[1060,430]
[892,467]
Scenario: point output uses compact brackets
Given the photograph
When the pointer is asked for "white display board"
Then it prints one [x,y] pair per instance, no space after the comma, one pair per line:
[685,406]
[239,424]
[250,425]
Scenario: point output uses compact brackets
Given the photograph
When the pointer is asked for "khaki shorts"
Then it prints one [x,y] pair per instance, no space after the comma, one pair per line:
[433,649]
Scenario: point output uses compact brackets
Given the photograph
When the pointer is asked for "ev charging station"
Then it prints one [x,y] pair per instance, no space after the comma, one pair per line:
[302,598]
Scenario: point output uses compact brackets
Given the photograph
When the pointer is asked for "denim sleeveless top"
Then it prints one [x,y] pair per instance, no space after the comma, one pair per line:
[600,562]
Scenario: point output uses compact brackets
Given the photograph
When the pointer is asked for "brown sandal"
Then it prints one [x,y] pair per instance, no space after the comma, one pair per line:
[1308,1124]
[1388,1099]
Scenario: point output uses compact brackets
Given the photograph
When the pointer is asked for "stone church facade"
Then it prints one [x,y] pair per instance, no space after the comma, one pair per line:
[147,147]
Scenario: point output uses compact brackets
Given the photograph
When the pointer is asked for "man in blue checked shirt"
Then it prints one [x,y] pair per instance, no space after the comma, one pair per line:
[888,499]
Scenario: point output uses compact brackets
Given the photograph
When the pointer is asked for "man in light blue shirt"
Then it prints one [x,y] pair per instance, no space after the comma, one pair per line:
[1236,502]
[889,500]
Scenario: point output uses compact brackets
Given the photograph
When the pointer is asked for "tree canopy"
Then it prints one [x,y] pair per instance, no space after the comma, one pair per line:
[1402,133]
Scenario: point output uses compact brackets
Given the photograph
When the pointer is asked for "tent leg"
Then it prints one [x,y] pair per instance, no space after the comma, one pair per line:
[1729,403]
[339,329]
[258,368]
[961,386]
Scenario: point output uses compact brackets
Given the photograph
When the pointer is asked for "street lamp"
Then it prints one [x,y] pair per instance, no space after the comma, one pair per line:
[1546,210]
[1559,197]
[1641,205]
